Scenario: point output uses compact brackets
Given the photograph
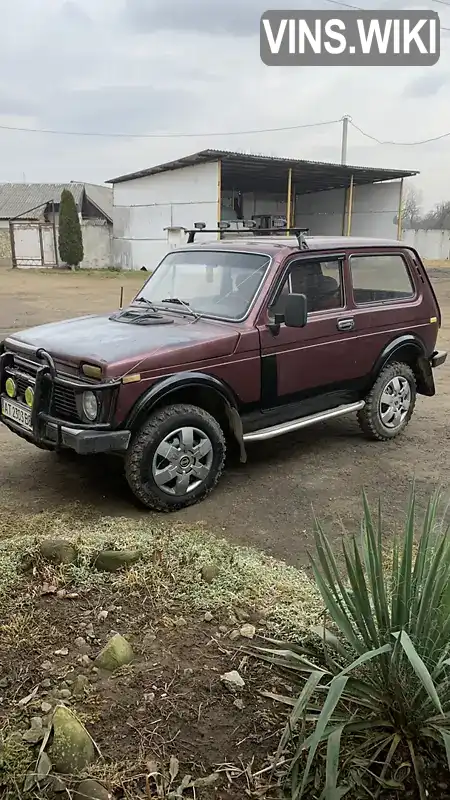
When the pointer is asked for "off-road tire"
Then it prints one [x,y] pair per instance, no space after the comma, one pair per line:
[144,443]
[369,417]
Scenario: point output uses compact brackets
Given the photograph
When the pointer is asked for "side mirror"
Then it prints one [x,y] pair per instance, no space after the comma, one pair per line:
[296,311]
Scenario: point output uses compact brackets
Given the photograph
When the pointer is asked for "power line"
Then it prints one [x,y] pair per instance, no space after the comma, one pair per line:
[229,133]
[398,144]
[358,8]
[168,135]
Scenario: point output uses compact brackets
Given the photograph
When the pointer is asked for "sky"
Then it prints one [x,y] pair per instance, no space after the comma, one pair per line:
[161,67]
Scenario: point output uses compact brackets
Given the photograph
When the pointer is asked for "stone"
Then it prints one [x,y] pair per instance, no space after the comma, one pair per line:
[101,616]
[80,684]
[208,617]
[46,683]
[36,722]
[116,653]
[223,629]
[33,735]
[63,652]
[47,666]
[239,704]
[57,785]
[233,681]
[3,683]
[115,560]
[64,694]
[46,707]
[209,572]
[149,639]
[58,551]
[90,633]
[248,631]
[72,749]
[91,790]
[180,622]
[234,635]
[85,661]
[81,644]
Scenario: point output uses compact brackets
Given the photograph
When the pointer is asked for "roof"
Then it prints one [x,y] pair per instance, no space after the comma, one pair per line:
[272,244]
[30,199]
[245,172]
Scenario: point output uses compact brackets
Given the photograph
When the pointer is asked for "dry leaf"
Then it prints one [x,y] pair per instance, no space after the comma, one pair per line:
[25,700]
[208,781]
[48,588]
[174,768]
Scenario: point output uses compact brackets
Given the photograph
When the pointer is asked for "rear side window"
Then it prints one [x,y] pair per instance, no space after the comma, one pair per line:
[381,278]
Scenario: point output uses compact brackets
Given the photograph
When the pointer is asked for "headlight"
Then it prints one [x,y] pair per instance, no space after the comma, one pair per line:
[10,386]
[90,405]
[29,396]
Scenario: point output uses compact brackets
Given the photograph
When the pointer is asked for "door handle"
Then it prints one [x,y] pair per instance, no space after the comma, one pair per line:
[347,324]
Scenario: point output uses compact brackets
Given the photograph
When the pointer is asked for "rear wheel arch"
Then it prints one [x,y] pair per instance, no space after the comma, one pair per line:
[407,349]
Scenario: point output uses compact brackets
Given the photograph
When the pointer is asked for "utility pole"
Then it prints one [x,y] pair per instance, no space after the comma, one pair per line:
[345,121]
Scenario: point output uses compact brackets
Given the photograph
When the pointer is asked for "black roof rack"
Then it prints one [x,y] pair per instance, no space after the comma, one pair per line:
[200,227]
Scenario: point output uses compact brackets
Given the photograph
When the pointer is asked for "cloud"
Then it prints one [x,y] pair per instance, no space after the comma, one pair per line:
[188,66]
[235,17]
[426,85]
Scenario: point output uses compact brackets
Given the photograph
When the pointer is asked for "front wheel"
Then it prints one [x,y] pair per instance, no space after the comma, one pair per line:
[176,458]
[390,403]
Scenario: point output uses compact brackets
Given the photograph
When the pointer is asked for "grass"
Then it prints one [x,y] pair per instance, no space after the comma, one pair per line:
[172,560]
[168,574]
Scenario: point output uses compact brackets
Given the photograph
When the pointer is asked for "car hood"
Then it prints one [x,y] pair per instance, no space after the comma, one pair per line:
[118,346]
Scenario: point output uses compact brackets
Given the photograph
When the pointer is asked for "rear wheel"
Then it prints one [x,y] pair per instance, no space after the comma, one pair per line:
[390,403]
[176,458]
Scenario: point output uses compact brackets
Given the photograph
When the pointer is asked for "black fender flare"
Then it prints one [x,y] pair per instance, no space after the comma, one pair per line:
[166,386]
[424,374]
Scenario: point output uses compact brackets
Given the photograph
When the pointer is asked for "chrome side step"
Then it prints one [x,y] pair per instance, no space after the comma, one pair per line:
[303,422]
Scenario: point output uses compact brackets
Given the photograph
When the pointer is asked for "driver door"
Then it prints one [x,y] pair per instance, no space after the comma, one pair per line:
[316,359]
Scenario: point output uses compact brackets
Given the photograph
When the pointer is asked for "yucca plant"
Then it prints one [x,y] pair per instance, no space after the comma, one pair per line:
[376,691]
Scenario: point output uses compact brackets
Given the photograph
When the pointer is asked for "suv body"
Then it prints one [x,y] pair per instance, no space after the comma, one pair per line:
[229,342]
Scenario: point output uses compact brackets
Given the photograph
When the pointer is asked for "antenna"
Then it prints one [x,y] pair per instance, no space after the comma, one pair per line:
[121,297]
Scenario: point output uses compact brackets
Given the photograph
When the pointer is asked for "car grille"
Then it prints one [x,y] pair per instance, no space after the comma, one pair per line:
[63,405]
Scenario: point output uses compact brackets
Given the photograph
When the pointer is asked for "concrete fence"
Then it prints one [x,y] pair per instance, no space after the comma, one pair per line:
[34,244]
[434,245]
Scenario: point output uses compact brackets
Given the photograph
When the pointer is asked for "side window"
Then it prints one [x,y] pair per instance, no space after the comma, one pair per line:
[380,278]
[320,281]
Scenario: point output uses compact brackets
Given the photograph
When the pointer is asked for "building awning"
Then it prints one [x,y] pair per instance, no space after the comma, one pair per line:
[251,173]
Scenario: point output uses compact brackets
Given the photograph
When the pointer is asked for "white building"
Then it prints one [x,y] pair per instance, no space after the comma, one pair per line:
[214,185]
[29,218]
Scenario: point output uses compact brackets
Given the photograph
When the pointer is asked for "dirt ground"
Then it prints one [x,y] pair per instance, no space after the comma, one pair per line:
[266,503]
[170,702]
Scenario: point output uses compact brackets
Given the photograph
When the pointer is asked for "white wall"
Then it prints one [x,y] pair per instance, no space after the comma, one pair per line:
[97,244]
[143,207]
[375,208]
[431,244]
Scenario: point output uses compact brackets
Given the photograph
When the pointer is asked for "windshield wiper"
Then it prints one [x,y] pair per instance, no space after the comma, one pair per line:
[178,302]
[142,299]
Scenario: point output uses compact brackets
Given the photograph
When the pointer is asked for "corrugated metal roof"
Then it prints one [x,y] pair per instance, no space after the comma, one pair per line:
[100,196]
[268,169]
[29,200]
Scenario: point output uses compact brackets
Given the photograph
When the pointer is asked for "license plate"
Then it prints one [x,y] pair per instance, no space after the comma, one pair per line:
[17,413]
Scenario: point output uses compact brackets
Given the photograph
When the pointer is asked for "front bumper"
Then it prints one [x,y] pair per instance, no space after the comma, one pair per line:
[47,430]
[438,358]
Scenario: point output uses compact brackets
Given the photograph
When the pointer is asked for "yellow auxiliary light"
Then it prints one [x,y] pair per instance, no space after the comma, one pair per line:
[29,396]
[11,388]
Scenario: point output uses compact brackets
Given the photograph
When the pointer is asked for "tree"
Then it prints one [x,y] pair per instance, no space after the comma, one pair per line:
[411,208]
[70,236]
[439,217]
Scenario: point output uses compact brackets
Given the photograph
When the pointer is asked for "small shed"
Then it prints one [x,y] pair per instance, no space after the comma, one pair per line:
[214,186]
[29,219]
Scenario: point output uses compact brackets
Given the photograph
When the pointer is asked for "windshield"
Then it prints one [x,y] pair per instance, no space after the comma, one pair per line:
[213,283]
